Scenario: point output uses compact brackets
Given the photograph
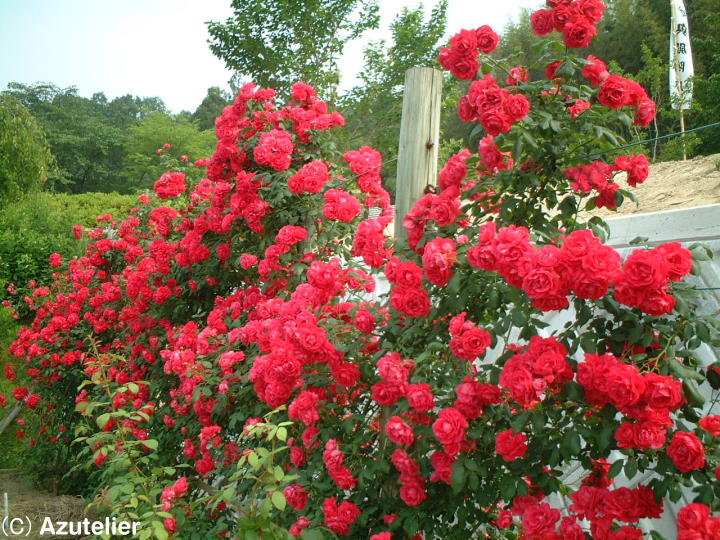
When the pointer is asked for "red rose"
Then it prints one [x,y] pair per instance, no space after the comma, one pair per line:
[693,517]
[539,519]
[615,92]
[55,260]
[462,65]
[517,107]
[410,301]
[464,41]
[487,39]
[386,393]
[578,33]
[170,184]
[711,424]
[645,269]
[662,391]
[542,22]
[403,462]
[686,451]
[420,397]
[510,445]
[678,259]
[596,71]
[542,283]
[622,504]
[450,426]
[495,121]
[413,493]
[644,112]
[296,496]
[398,431]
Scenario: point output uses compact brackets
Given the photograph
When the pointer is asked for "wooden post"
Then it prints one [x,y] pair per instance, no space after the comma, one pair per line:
[10,416]
[419,141]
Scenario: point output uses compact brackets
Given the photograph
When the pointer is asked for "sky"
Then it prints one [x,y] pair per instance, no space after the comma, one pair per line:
[159,47]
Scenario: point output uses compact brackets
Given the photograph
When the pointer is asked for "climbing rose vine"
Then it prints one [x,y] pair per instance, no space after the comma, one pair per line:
[225,363]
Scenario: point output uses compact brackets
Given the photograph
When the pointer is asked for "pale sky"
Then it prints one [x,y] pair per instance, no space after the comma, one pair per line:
[159,47]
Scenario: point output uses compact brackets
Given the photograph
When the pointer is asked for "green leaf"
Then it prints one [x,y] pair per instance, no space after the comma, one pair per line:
[458,478]
[159,530]
[615,468]
[278,500]
[312,534]
[152,444]
[631,467]
[102,420]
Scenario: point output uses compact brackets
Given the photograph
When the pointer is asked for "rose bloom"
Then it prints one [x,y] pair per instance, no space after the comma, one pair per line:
[450,426]
[686,451]
[170,184]
[711,424]
[510,445]
[420,397]
[398,431]
[542,22]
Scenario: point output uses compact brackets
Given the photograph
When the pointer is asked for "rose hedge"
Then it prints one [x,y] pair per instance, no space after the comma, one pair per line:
[236,375]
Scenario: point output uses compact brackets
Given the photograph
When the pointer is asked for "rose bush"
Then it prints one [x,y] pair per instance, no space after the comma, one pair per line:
[236,375]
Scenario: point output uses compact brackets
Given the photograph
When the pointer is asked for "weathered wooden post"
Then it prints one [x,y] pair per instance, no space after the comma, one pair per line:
[419,142]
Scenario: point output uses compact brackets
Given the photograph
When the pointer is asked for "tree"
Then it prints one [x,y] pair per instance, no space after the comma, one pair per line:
[373,108]
[87,136]
[25,157]
[211,107]
[141,165]
[276,43]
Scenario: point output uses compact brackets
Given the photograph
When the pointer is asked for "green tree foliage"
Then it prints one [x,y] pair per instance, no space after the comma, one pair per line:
[141,165]
[87,136]
[276,43]
[25,157]
[211,107]
[373,108]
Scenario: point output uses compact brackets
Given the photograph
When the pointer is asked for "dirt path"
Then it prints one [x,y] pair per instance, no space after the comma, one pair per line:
[26,501]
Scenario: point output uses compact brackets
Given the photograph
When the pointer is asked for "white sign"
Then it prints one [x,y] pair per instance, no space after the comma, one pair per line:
[681,64]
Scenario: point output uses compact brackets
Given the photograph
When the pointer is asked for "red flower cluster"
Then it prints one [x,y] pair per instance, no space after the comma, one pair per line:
[582,265]
[365,163]
[648,398]
[333,459]
[616,92]
[170,185]
[468,341]
[575,19]
[340,205]
[602,506]
[461,58]
[510,445]
[539,370]
[274,149]
[494,107]
[597,175]
[412,484]
[647,274]
[407,295]
[338,518]
[311,178]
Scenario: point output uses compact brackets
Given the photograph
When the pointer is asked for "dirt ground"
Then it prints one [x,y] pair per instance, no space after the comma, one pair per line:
[672,185]
[26,500]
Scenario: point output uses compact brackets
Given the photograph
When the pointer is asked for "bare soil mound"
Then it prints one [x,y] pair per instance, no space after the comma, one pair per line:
[672,185]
